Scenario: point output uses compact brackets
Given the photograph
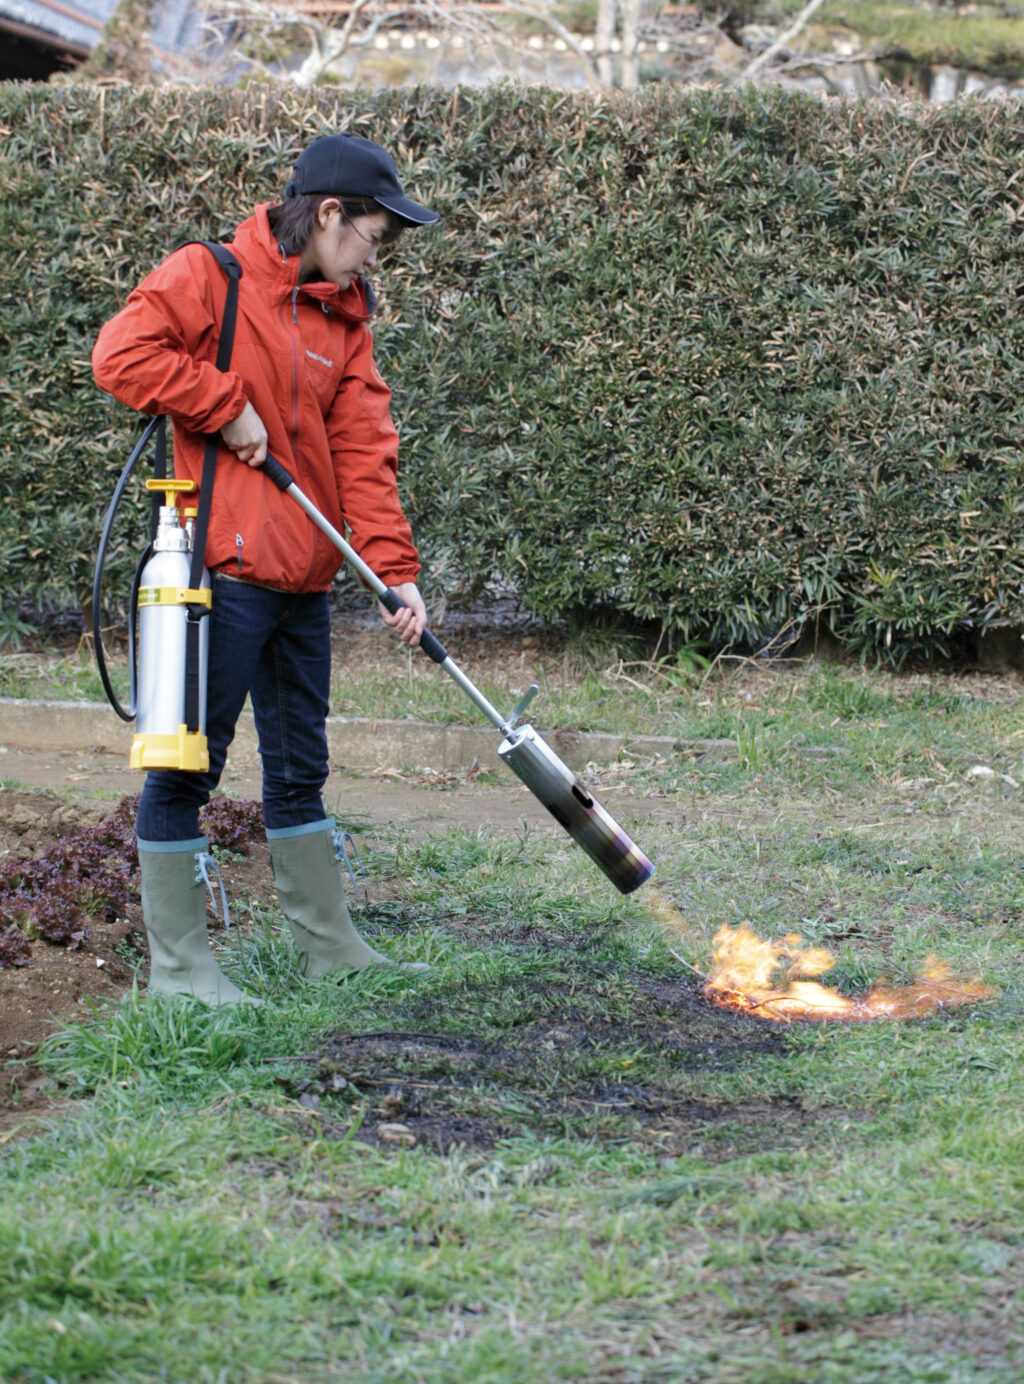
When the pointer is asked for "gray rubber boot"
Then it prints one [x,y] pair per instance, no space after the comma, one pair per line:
[174,912]
[310,889]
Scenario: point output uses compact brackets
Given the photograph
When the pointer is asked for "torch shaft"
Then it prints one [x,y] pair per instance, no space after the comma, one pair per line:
[385,593]
[475,695]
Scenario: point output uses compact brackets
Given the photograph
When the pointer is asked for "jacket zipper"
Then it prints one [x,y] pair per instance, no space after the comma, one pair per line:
[294,344]
[295,370]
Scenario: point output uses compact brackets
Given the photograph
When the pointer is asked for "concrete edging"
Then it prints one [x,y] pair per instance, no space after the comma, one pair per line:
[358,743]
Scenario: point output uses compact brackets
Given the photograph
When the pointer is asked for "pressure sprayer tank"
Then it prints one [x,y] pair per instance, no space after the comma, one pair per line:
[575,808]
[162,737]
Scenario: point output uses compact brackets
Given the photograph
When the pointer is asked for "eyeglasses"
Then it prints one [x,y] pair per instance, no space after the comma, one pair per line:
[380,241]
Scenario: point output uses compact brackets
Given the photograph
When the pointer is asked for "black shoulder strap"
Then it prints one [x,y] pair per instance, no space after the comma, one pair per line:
[233,271]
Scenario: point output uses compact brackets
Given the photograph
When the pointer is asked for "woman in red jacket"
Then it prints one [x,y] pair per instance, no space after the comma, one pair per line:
[302,385]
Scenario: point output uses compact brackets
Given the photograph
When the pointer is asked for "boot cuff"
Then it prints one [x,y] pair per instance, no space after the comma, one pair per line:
[201,843]
[307,829]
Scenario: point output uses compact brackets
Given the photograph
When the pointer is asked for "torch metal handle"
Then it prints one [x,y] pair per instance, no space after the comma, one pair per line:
[389,598]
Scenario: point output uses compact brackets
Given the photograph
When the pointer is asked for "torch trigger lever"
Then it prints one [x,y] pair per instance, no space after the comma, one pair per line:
[523,702]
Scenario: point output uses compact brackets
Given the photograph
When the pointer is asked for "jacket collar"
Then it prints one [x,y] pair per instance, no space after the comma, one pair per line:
[278,273]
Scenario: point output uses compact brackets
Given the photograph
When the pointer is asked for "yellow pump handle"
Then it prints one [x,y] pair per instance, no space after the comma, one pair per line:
[171,489]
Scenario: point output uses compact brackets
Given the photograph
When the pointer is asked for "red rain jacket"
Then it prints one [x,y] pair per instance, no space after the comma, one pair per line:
[303,357]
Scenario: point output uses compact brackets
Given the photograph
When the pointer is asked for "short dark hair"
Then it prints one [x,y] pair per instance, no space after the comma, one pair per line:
[293,221]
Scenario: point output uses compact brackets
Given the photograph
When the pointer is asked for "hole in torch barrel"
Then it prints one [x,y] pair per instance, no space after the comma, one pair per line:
[581,794]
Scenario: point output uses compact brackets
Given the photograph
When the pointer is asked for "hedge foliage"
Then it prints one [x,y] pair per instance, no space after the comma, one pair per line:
[715,360]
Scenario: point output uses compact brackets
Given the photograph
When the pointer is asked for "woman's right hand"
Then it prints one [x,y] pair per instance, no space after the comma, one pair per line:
[246,436]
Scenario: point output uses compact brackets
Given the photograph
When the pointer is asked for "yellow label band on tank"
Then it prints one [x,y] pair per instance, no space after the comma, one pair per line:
[174,595]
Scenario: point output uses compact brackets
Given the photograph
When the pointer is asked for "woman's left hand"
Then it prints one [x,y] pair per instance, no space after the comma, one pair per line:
[409,622]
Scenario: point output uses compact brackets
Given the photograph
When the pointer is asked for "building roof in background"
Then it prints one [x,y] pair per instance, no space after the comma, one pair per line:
[44,36]
[70,26]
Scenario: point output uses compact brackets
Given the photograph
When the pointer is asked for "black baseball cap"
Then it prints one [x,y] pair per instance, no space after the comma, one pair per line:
[349,166]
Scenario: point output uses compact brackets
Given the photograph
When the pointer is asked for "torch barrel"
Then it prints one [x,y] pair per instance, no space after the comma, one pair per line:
[575,808]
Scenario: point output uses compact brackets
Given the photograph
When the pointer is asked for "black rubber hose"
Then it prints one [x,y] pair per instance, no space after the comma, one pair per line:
[97,587]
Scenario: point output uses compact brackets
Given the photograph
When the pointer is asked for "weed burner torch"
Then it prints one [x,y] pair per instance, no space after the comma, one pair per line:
[522,749]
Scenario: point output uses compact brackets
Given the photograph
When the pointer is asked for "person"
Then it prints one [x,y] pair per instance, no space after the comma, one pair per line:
[302,384]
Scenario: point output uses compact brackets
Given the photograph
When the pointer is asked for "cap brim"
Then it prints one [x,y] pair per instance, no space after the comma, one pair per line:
[409,211]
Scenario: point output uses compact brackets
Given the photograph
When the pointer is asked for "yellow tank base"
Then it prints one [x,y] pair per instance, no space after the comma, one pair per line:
[186,750]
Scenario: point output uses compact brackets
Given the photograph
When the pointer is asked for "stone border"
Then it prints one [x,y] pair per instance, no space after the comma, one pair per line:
[358,743]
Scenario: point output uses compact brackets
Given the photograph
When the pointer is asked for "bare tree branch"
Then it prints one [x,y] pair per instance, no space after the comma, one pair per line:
[545,13]
[328,40]
[785,38]
[630,42]
[263,34]
[603,35]
[328,45]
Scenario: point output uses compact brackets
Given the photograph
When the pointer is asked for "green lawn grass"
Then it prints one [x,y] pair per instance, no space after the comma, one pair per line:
[647,1188]
[982,37]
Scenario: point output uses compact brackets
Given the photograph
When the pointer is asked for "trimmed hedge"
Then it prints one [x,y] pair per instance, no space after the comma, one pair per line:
[717,360]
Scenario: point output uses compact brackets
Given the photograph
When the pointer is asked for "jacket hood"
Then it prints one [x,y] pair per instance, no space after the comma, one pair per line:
[262,256]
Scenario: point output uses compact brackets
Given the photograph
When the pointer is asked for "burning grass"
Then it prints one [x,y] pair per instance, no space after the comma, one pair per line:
[768,979]
[746,977]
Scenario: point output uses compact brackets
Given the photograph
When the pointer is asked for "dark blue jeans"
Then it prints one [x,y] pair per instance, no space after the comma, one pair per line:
[274,646]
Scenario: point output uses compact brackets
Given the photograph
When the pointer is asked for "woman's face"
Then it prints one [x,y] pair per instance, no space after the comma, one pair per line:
[340,250]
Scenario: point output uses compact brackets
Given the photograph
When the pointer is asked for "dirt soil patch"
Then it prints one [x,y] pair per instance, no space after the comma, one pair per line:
[60,984]
[548,1077]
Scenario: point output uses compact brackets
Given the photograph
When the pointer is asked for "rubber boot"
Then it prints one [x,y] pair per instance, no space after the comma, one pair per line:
[306,861]
[174,912]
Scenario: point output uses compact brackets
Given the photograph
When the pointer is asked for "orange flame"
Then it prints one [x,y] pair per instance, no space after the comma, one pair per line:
[763,978]
[769,979]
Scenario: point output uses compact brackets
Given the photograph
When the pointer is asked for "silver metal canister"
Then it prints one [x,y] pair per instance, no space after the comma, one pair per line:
[162,623]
